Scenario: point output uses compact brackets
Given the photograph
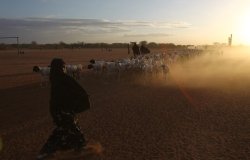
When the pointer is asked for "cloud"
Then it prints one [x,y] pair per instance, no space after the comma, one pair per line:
[154,24]
[46,1]
[37,23]
[148,35]
[38,27]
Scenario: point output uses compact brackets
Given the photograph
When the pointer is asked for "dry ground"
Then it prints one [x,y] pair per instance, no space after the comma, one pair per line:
[132,119]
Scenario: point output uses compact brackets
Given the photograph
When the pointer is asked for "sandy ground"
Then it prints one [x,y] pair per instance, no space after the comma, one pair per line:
[133,118]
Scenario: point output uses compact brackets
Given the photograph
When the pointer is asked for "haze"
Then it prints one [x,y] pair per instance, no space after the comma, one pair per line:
[228,71]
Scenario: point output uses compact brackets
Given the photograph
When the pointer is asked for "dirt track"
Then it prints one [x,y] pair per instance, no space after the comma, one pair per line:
[131,120]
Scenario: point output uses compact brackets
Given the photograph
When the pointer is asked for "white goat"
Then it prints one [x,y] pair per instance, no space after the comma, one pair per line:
[44,71]
[97,66]
[71,70]
[74,70]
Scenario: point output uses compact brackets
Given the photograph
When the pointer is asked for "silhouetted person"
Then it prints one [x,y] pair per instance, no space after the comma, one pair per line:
[144,50]
[136,50]
[64,90]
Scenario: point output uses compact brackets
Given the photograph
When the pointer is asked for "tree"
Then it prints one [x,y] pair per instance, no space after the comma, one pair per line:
[33,44]
[153,44]
[143,43]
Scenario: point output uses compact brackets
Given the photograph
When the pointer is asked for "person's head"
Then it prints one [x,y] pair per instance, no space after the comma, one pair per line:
[57,67]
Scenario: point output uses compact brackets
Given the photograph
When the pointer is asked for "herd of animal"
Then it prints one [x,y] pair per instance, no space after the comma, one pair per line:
[153,63]
[150,63]
[72,70]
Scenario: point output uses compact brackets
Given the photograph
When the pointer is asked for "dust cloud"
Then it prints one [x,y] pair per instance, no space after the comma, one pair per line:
[230,69]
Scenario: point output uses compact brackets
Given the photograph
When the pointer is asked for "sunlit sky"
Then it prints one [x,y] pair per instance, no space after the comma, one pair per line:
[168,21]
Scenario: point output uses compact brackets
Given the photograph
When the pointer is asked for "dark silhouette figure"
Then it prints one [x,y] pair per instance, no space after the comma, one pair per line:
[64,90]
[144,50]
[136,50]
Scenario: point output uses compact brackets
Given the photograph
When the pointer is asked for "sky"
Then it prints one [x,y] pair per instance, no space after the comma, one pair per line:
[184,22]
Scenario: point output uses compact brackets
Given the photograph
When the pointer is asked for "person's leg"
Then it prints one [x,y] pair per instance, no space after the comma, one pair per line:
[75,138]
[72,137]
[52,144]
[78,137]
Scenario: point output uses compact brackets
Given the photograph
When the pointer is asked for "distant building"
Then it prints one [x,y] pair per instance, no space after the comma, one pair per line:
[230,40]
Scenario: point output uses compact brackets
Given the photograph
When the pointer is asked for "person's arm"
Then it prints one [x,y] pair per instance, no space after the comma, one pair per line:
[75,87]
